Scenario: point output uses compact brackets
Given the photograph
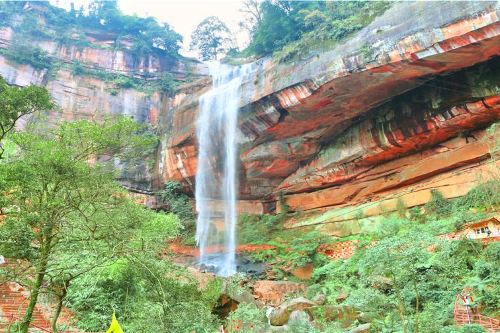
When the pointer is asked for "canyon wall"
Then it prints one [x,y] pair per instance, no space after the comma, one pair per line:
[92,77]
[397,109]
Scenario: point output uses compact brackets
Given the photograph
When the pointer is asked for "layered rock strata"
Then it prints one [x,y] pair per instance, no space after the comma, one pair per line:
[420,75]
[395,110]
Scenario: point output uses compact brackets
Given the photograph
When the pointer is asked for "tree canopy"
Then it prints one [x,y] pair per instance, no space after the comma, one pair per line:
[211,39]
[16,102]
[65,214]
[292,27]
[147,34]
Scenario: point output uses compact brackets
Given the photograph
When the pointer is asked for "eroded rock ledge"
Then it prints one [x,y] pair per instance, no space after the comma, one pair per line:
[420,77]
[397,109]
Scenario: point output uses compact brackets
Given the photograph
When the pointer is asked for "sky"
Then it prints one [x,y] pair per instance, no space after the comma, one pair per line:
[182,15]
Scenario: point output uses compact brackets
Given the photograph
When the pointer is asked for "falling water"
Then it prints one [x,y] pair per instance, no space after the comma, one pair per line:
[216,173]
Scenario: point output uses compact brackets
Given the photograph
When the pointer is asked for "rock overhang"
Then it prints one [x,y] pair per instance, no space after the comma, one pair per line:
[291,111]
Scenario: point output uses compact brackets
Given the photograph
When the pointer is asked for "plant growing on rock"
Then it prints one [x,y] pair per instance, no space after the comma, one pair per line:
[179,203]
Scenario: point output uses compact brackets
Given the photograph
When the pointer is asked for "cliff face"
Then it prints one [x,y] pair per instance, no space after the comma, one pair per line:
[400,105]
[396,110]
[92,77]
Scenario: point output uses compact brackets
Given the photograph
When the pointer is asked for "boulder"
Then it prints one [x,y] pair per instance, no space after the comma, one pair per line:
[299,316]
[280,315]
[319,299]
[365,328]
[303,273]
[274,292]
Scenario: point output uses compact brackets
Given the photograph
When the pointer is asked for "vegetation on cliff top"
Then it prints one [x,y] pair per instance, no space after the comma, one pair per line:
[211,38]
[293,29]
[34,22]
[42,20]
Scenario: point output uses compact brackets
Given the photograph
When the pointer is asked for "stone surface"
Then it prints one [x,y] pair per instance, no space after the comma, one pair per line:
[327,119]
[364,328]
[303,273]
[384,115]
[281,315]
[274,292]
[319,299]
[446,167]
[299,316]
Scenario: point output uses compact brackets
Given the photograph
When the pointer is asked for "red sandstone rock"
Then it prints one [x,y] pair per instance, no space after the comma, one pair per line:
[195,252]
[303,273]
[274,292]
[336,126]
[291,110]
[402,172]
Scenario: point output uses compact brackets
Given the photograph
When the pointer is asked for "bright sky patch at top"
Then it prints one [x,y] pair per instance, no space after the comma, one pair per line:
[182,15]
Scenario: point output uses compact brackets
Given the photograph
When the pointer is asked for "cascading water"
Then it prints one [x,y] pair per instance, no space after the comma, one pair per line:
[216,179]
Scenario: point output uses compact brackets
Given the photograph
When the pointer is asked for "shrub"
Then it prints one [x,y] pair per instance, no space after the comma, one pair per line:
[167,84]
[22,53]
[483,196]
[472,328]
[438,205]
[77,68]
[247,318]
[178,203]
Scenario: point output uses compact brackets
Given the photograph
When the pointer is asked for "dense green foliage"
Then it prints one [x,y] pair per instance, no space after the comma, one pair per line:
[211,39]
[399,284]
[402,278]
[247,318]
[179,203]
[17,102]
[292,29]
[25,53]
[49,22]
[60,209]
[147,34]
[75,234]
[150,295]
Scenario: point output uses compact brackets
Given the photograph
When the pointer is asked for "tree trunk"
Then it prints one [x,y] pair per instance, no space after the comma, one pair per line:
[417,305]
[57,313]
[35,291]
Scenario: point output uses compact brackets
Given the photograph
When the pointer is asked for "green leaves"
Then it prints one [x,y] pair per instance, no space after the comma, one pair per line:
[147,34]
[211,38]
[292,28]
[17,102]
[65,213]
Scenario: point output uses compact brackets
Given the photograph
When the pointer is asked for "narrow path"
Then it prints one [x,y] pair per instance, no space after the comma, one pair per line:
[464,315]
[13,305]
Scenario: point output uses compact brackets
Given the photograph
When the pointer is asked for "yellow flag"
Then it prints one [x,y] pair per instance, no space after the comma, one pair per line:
[115,327]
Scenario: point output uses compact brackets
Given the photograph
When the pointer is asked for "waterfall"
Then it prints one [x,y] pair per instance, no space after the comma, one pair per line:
[216,176]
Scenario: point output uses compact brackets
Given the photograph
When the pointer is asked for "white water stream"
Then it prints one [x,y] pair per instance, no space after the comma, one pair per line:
[216,176]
